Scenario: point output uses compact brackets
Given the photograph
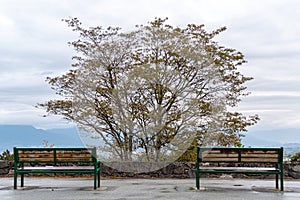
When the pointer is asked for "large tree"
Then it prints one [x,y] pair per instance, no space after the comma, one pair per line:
[151,93]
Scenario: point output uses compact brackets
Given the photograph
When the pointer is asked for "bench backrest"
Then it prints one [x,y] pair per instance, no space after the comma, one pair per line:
[54,155]
[240,155]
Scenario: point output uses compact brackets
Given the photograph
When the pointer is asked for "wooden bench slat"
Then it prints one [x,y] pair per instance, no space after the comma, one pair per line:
[73,155]
[74,159]
[259,151]
[212,151]
[225,159]
[255,155]
[36,155]
[73,152]
[34,152]
[36,159]
[210,155]
[271,160]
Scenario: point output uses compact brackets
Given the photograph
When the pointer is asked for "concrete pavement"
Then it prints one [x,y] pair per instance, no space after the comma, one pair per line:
[140,189]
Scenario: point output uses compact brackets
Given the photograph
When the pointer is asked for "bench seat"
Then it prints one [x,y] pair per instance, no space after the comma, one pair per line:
[238,169]
[46,168]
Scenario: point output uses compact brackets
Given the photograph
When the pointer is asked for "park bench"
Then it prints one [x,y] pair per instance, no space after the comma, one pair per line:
[56,161]
[240,160]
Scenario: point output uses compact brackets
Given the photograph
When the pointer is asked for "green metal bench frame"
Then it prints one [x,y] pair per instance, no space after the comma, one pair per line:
[53,158]
[237,156]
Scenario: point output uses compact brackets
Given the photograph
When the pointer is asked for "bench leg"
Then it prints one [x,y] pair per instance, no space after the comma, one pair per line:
[197,176]
[277,185]
[22,180]
[281,182]
[95,180]
[197,181]
[281,177]
[98,178]
[15,180]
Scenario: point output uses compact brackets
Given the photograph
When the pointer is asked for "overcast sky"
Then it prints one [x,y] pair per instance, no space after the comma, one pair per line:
[33,45]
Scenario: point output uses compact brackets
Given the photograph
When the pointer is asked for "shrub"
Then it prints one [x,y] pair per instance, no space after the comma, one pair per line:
[6,155]
[296,157]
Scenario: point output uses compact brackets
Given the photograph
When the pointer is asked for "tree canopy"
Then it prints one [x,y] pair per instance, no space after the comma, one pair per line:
[152,92]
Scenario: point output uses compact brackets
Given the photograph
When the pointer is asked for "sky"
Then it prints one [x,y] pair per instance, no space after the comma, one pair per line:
[34,45]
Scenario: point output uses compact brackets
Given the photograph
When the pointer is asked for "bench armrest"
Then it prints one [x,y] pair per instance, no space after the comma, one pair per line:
[97,163]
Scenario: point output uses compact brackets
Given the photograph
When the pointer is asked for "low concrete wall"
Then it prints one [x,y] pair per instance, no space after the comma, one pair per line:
[149,170]
[5,167]
[179,170]
[293,170]
[160,170]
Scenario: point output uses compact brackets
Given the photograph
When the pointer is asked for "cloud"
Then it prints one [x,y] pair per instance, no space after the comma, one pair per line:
[25,114]
[272,94]
[277,109]
[34,45]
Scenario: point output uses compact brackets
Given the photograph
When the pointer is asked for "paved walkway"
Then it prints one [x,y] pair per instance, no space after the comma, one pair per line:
[140,189]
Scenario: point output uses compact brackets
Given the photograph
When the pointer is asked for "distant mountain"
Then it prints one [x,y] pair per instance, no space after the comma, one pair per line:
[287,138]
[28,136]
[272,137]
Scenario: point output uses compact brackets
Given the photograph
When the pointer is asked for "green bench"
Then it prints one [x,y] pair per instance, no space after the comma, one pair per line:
[56,160]
[240,160]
